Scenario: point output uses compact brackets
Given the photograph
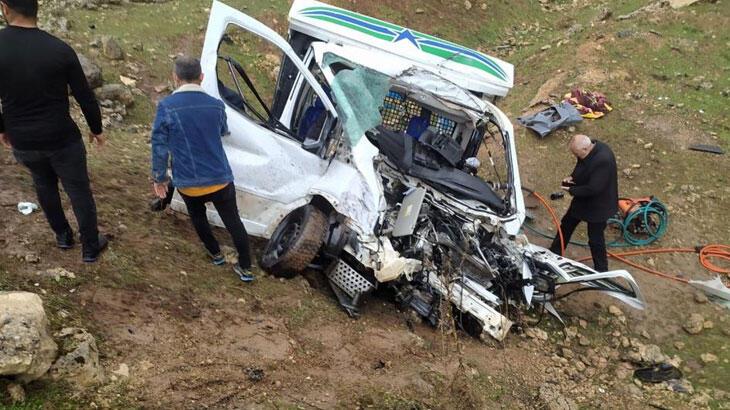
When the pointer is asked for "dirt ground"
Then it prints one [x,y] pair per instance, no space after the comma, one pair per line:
[194,337]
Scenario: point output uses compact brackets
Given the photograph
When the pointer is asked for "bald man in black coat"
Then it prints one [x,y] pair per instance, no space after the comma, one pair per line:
[594,187]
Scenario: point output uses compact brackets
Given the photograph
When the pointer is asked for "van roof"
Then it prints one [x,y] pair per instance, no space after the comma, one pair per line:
[465,67]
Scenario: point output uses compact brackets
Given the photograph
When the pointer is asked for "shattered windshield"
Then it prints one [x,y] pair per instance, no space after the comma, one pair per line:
[360,93]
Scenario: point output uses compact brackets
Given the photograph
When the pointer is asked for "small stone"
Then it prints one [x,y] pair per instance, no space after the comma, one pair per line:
[546,47]
[535,333]
[467,4]
[645,334]
[694,324]
[584,341]
[567,353]
[708,324]
[16,393]
[122,370]
[580,366]
[679,345]
[708,358]
[651,354]
[583,324]
[648,145]
[700,298]
[615,311]
[254,374]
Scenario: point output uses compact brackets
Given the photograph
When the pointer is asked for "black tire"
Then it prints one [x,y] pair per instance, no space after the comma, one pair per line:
[295,242]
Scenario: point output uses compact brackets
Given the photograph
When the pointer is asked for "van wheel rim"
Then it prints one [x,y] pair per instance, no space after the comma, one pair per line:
[287,237]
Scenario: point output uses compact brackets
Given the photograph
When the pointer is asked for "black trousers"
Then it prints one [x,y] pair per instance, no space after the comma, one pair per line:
[596,240]
[225,203]
[68,165]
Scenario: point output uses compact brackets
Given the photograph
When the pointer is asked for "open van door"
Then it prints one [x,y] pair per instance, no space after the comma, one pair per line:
[274,166]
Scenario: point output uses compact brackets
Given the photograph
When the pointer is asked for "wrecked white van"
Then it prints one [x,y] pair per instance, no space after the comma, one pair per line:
[366,162]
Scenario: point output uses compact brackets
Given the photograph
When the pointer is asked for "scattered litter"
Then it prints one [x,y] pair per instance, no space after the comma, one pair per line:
[547,121]
[712,149]
[680,386]
[254,374]
[657,374]
[129,82]
[27,208]
[591,105]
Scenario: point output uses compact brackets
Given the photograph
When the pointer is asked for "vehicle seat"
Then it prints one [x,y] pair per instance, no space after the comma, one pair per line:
[418,125]
[311,120]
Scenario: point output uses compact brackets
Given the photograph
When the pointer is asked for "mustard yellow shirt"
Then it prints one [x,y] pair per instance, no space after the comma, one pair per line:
[202,190]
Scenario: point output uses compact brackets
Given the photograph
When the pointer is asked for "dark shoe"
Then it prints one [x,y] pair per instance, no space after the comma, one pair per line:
[91,255]
[65,240]
[244,274]
[218,259]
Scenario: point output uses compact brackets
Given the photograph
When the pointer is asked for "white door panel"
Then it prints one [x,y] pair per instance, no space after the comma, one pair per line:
[273,174]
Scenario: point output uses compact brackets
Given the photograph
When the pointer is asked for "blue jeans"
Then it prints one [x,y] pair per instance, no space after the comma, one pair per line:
[67,164]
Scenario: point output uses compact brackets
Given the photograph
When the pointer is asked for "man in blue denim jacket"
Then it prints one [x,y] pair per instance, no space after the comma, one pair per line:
[188,127]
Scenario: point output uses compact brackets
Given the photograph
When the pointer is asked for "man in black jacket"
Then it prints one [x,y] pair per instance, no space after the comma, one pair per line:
[594,187]
[36,71]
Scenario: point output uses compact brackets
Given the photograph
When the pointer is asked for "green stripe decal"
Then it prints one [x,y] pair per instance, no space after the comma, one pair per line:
[393,33]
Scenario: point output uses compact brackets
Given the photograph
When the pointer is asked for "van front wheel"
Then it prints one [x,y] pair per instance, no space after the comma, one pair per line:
[295,242]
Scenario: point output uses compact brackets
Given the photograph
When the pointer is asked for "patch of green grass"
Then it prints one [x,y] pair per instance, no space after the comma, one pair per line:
[42,396]
[623,7]
[711,375]
[688,55]
[389,400]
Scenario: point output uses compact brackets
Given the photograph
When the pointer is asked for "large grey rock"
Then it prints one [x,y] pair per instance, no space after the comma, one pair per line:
[78,363]
[26,348]
[91,71]
[116,92]
[111,48]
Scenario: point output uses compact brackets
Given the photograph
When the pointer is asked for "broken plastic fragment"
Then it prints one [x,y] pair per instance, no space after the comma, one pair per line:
[27,208]
[714,288]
